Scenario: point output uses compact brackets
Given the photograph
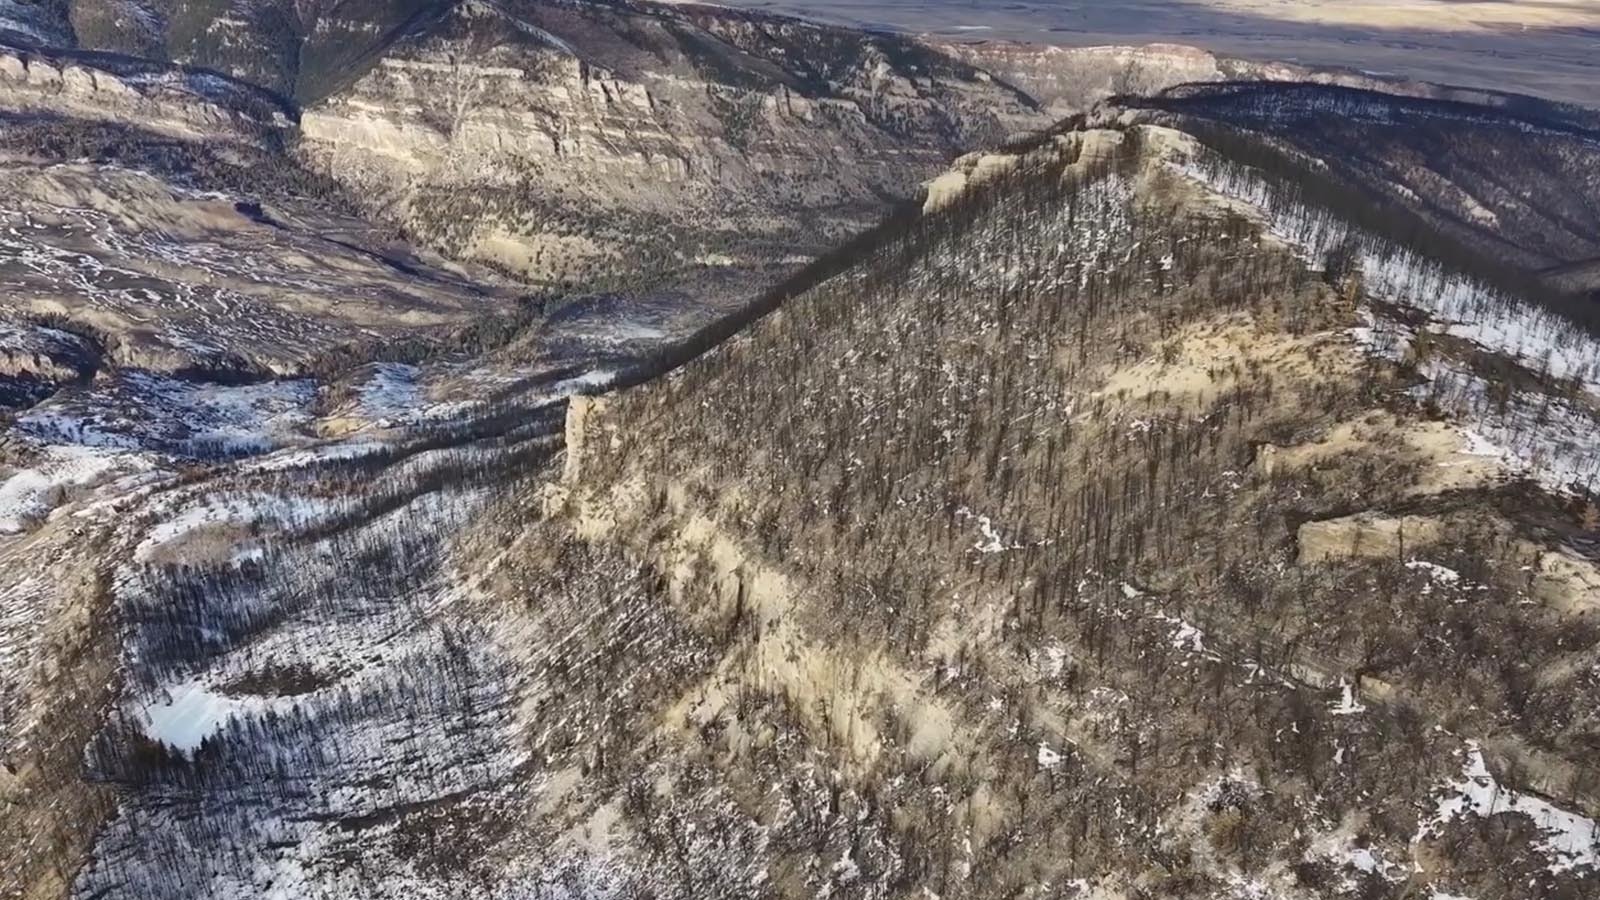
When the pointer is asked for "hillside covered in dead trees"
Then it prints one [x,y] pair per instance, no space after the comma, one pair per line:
[1126,528]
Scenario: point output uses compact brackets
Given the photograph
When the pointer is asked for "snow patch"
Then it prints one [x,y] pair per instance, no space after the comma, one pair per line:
[1347,704]
[238,509]
[392,392]
[1436,573]
[307,456]
[28,495]
[143,411]
[1048,758]
[1570,841]
[990,540]
[189,712]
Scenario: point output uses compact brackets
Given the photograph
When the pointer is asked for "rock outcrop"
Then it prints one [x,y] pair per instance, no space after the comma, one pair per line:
[1072,79]
[1366,536]
[166,99]
[35,359]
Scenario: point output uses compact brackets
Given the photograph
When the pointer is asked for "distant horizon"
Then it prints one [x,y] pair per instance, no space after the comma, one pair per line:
[1423,40]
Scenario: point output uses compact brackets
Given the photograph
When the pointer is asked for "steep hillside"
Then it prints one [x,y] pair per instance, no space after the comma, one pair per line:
[1073,79]
[174,101]
[609,143]
[187,375]
[1082,538]
[1540,47]
[1514,183]
[579,142]
[584,143]
[296,50]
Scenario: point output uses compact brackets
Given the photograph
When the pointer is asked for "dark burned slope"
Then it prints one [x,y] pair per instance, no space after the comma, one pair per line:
[1518,181]
[1071,539]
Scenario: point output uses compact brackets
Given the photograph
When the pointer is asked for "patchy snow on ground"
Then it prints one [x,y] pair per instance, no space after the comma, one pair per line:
[1538,340]
[1550,439]
[398,395]
[1382,337]
[1185,636]
[35,21]
[309,456]
[594,380]
[235,509]
[29,494]
[590,382]
[1437,574]
[1441,574]
[393,392]
[1339,847]
[1048,758]
[1570,841]
[1347,704]
[188,713]
[989,540]
[1463,307]
[143,411]
[452,409]
[1055,660]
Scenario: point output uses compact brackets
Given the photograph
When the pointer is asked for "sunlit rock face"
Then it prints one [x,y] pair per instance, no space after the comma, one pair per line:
[569,143]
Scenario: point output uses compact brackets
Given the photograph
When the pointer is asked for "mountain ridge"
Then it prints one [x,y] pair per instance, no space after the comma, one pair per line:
[1143,507]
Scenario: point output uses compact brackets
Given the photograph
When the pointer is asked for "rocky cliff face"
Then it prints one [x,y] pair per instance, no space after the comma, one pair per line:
[599,142]
[1126,523]
[299,50]
[174,280]
[152,96]
[572,142]
[610,143]
[1072,79]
